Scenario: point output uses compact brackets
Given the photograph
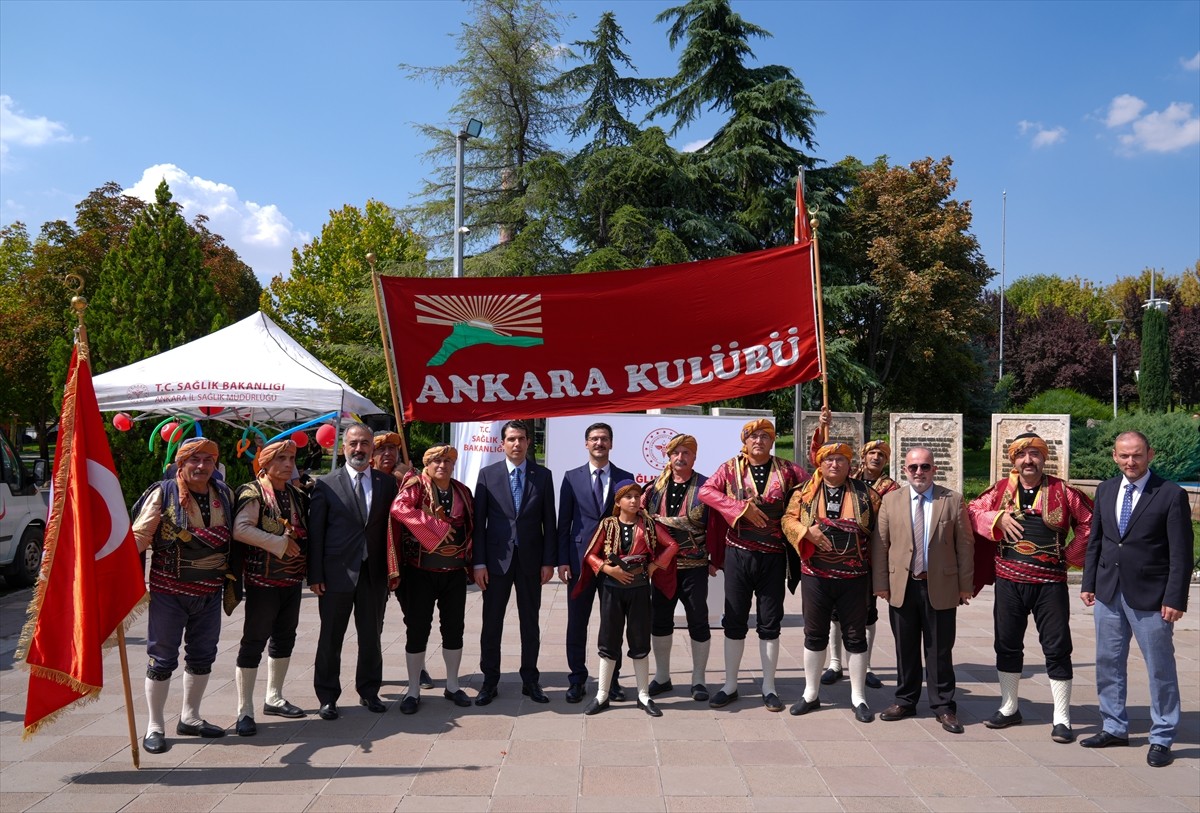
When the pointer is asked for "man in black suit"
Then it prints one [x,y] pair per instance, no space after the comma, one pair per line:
[348,569]
[1136,575]
[586,497]
[515,546]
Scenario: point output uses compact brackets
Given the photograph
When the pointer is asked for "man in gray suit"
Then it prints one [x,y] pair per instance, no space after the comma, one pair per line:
[348,569]
[515,547]
[922,564]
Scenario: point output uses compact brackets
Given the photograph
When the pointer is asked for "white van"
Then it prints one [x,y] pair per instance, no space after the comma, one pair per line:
[22,520]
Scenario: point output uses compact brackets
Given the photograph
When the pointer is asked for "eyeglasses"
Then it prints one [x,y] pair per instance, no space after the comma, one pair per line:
[913,468]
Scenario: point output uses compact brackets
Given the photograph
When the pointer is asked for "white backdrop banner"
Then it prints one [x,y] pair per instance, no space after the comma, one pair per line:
[478,444]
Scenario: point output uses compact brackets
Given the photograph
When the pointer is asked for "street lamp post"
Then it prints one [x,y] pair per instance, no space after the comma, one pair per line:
[471,129]
[1115,326]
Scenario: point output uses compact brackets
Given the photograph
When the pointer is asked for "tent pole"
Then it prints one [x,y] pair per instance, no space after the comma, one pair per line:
[389,357]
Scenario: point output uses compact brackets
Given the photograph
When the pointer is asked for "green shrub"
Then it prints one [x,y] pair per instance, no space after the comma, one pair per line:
[1080,407]
[1172,435]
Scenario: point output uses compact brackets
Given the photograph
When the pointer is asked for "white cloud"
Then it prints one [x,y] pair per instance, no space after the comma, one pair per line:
[17,129]
[695,146]
[1192,64]
[1124,109]
[261,234]
[1042,136]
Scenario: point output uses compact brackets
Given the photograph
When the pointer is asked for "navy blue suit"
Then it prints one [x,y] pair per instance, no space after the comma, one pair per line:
[514,547]
[578,518]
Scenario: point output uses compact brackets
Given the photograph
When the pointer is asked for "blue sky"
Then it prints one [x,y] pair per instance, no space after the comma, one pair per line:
[266,115]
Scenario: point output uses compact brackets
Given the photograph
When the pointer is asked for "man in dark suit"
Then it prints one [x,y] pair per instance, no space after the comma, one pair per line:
[1136,575]
[348,569]
[515,546]
[586,497]
[923,565]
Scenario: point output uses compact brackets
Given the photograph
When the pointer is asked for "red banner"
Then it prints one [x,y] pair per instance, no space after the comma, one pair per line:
[618,341]
[91,575]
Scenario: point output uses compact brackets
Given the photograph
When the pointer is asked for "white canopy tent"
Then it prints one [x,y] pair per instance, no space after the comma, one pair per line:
[249,372]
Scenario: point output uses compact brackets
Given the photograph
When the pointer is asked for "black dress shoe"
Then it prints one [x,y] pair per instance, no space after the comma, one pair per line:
[409,705]
[616,693]
[897,712]
[284,709]
[575,693]
[650,707]
[863,714]
[657,688]
[534,692]
[458,698]
[1002,720]
[426,680]
[1103,740]
[202,729]
[873,681]
[486,695]
[772,702]
[245,727]
[596,706]
[373,704]
[1062,733]
[329,711]
[155,743]
[949,721]
[830,677]
[804,706]
[722,699]
[1159,756]
[699,693]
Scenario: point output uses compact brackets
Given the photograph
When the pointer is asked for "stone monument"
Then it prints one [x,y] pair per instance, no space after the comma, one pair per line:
[941,433]
[1054,429]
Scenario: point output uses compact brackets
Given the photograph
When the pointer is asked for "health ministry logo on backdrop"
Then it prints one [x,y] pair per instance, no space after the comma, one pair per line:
[494,319]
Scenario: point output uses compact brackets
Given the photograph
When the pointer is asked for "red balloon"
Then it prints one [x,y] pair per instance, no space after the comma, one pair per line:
[300,439]
[211,410]
[122,422]
[170,432]
[327,436]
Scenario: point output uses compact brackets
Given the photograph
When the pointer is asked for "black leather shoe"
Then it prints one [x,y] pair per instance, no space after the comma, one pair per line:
[155,743]
[1159,756]
[245,727]
[721,699]
[596,706]
[949,721]
[830,677]
[575,693]
[657,688]
[1002,720]
[534,692]
[409,705]
[486,695]
[329,711]
[1103,740]
[204,729]
[284,709]
[863,714]
[873,681]
[616,693]
[650,708]
[458,698]
[1062,733]
[897,712]
[804,707]
[426,680]
[772,702]
[373,704]
[700,693]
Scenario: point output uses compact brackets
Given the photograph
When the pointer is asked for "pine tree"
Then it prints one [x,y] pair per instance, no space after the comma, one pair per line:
[1154,381]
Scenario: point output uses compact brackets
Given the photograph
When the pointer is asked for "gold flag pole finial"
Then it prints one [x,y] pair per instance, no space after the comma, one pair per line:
[79,304]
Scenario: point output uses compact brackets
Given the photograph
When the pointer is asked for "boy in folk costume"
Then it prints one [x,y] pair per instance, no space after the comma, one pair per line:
[628,549]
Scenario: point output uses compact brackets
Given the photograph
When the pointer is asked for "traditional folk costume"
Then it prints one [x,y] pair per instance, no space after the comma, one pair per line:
[755,559]
[1031,577]
[189,535]
[625,610]
[432,528]
[677,507]
[264,521]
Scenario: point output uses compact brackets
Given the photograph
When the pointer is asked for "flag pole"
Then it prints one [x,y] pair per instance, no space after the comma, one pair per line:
[816,268]
[79,305]
[389,357]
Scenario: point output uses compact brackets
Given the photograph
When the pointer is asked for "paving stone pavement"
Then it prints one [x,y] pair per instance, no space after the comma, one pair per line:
[515,755]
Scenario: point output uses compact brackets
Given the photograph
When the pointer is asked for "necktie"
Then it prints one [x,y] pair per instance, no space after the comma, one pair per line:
[598,489]
[514,483]
[918,558]
[361,496]
[1126,508]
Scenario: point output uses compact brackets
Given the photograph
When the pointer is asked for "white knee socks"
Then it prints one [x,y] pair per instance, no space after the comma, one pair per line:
[699,661]
[416,662]
[858,678]
[604,678]
[835,646]
[193,693]
[156,703]
[812,674]
[733,663]
[768,652]
[1061,689]
[641,672]
[661,646]
[277,669]
[453,659]
[1009,683]
[245,689]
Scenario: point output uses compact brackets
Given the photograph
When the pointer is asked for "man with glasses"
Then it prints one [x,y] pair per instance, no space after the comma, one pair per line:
[586,497]
[750,493]
[922,563]
[829,522]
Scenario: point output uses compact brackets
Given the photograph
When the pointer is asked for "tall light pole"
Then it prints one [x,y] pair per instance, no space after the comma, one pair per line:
[1115,326]
[471,129]
[1003,241]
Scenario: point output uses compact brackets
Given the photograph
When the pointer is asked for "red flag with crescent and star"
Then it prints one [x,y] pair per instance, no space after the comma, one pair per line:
[91,577]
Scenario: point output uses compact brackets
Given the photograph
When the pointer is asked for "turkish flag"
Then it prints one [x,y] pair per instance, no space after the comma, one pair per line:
[91,575]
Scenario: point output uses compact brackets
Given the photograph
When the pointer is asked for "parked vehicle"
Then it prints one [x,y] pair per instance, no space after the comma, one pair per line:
[22,518]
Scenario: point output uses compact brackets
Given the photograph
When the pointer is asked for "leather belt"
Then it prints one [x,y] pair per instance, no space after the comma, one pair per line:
[921,577]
